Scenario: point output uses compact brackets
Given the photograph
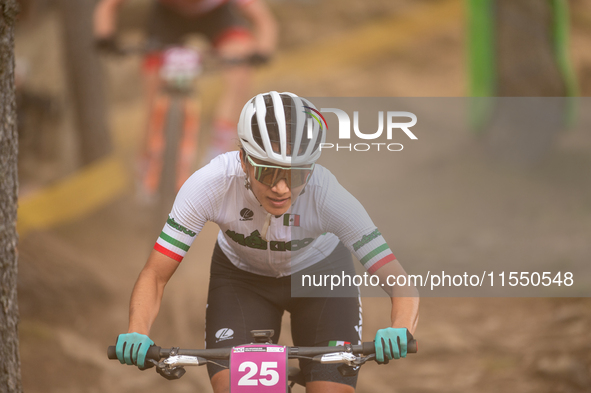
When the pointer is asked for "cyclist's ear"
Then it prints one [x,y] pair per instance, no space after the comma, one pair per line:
[243,161]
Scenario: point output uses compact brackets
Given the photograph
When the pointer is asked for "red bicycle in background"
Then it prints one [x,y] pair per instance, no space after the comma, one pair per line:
[173,127]
[170,145]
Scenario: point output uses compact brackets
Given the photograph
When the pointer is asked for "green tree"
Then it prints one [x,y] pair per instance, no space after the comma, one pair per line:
[519,53]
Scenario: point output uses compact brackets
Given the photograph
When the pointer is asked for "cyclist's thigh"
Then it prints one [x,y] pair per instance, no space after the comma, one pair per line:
[237,303]
[225,25]
[323,322]
[318,321]
[326,321]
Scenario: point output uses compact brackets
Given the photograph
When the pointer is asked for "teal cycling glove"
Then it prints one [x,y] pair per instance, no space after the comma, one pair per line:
[132,348]
[391,344]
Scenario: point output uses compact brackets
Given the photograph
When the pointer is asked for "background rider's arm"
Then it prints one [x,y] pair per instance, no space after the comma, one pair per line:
[105,18]
[148,290]
[405,300]
[264,25]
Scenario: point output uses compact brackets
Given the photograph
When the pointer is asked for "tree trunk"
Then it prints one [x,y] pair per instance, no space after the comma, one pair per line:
[10,375]
[84,77]
[526,55]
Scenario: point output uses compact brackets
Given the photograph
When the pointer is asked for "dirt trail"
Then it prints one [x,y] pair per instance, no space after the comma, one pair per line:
[75,280]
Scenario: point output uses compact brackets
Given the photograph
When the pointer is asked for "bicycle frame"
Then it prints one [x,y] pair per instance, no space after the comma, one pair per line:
[173,124]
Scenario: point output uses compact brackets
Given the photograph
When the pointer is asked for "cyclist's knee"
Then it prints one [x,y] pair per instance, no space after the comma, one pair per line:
[236,47]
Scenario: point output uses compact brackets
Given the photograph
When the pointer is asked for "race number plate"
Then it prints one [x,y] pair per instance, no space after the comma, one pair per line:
[180,62]
[258,368]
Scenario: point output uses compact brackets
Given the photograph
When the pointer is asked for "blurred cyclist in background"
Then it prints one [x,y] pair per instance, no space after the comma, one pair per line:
[224,24]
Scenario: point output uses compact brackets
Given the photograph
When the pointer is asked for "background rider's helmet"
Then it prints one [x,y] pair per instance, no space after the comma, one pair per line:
[279,129]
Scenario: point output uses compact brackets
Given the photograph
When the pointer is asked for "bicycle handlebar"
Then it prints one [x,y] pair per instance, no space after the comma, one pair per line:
[156,353]
[114,48]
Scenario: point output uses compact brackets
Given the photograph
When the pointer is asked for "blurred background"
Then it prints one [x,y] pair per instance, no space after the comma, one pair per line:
[84,234]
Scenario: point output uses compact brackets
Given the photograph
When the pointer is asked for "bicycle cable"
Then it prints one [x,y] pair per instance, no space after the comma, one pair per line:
[217,364]
[300,357]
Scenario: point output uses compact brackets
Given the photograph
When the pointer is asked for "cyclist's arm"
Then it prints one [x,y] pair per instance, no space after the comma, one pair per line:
[148,290]
[357,231]
[105,18]
[264,24]
[405,300]
[194,206]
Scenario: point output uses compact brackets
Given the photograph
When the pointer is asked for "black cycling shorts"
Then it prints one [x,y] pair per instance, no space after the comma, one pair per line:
[239,301]
[167,26]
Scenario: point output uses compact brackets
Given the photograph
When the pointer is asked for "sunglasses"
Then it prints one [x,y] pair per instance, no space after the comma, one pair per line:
[270,175]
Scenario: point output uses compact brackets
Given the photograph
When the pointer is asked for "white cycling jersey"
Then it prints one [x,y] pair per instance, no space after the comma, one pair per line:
[310,230]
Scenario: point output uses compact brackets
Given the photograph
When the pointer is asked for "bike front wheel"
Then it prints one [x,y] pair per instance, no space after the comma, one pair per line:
[173,129]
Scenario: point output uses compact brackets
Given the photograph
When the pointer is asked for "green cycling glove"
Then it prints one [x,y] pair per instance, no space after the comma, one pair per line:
[391,344]
[132,348]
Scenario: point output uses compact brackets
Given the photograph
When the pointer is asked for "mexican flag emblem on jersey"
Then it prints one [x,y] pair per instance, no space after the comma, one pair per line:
[337,343]
[291,220]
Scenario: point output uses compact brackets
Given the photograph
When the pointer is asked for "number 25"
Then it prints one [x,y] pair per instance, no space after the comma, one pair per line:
[253,368]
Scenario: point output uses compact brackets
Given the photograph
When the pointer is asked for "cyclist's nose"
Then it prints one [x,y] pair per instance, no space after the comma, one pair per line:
[281,187]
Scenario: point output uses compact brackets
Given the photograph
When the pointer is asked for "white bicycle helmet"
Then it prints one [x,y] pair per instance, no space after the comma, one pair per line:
[276,127]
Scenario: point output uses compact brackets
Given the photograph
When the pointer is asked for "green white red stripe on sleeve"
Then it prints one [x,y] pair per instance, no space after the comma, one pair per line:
[373,252]
[377,258]
[174,240]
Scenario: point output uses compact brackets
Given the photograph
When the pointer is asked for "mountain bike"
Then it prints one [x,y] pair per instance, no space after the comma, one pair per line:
[173,127]
[174,120]
[261,366]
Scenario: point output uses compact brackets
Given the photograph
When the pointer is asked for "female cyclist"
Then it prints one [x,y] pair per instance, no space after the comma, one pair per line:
[280,214]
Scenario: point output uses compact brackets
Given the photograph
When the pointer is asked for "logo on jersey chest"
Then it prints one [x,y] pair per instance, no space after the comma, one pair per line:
[246,214]
[254,240]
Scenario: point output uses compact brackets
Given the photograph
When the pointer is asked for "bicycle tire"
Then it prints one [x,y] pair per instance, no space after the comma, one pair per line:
[173,129]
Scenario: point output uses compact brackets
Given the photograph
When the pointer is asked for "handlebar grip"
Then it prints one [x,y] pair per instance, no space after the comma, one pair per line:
[412,346]
[369,347]
[153,352]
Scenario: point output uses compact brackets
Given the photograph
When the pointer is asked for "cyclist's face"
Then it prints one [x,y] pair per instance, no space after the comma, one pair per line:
[276,199]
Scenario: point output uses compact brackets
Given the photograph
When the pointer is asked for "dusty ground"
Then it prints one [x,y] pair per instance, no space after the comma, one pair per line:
[449,204]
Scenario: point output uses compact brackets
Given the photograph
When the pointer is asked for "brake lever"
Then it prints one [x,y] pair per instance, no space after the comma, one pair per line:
[351,368]
[170,373]
[363,360]
[348,371]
